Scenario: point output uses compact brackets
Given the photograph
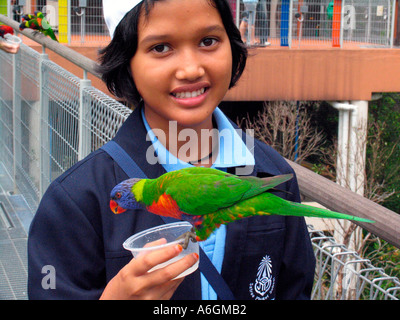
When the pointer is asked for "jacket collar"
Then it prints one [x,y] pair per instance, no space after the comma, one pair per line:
[134,128]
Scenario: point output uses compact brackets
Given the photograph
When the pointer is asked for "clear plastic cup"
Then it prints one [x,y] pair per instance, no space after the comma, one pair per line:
[142,243]
[12,39]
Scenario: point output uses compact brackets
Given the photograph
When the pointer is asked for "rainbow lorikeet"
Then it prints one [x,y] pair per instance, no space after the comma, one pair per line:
[38,22]
[5,29]
[208,197]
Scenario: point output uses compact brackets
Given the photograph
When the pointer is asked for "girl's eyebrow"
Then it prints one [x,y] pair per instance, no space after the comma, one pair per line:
[151,38]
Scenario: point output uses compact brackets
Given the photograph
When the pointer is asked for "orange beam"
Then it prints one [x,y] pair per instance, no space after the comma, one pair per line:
[33,6]
[337,17]
[276,73]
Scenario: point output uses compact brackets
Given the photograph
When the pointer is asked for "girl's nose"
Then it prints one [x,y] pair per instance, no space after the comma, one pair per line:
[189,68]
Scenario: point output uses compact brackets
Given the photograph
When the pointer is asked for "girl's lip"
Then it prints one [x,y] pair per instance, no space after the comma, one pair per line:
[193,101]
[190,87]
[190,95]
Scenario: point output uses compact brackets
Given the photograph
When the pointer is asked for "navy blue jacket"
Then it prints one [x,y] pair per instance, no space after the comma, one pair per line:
[75,232]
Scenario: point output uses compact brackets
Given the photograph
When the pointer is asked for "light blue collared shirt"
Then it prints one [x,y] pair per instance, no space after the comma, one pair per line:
[232,152]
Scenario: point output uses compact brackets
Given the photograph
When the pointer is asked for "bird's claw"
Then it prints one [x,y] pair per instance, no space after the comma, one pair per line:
[189,235]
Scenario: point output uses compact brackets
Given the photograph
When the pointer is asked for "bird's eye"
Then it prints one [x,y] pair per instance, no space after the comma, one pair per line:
[118,195]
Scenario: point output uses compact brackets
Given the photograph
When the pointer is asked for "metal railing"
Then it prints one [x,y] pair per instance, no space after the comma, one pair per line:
[325,23]
[287,23]
[341,274]
[75,22]
[50,119]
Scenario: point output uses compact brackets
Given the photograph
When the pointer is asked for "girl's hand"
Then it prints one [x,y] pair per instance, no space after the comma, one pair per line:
[134,282]
[8,47]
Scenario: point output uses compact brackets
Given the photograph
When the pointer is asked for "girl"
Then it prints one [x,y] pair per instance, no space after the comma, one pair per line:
[175,59]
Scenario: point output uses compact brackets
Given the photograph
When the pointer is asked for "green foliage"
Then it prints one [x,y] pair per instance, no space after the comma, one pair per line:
[386,113]
[383,255]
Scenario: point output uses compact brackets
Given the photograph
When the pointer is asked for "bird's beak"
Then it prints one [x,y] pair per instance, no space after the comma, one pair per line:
[116,208]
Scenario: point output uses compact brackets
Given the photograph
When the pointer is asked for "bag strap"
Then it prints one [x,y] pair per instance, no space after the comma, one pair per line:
[130,167]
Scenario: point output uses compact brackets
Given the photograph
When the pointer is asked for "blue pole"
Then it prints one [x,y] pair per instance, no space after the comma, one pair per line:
[285,23]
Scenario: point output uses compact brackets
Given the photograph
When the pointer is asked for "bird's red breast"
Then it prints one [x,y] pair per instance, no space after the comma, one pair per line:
[6,29]
[166,206]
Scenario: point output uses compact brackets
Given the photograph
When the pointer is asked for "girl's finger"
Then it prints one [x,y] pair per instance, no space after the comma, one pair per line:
[172,270]
[143,263]
[155,243]
[170,288]
[158,242]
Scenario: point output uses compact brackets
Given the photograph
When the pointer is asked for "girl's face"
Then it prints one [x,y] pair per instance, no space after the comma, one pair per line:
[183,63]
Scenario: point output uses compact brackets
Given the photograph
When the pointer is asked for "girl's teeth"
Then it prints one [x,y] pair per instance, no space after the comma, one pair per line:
[185,95]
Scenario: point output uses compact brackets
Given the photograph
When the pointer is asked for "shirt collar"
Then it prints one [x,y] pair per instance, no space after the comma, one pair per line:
[232,151]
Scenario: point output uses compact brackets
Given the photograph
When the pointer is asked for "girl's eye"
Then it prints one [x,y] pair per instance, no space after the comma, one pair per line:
[160,48]
[208,42]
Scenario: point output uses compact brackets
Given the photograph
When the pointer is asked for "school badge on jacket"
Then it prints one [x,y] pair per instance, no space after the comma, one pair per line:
[264,284]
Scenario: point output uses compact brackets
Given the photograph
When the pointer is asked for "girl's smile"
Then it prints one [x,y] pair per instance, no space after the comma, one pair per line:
[191,95]
[183,63]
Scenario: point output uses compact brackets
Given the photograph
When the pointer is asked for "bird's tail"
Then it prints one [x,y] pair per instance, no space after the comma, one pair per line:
[269,204]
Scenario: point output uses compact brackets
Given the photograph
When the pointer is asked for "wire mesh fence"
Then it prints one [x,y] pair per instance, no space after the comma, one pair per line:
[75,22]
[50,119]
[341,274]
[322,22]
[292,23]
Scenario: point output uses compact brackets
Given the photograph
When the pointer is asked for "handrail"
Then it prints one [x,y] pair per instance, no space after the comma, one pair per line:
[76,58]
[312,185]
[338,198]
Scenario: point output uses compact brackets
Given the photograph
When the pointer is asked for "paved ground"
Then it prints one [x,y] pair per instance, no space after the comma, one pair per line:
[15,217]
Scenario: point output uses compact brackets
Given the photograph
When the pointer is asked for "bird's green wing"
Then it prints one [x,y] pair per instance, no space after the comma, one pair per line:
[199,191]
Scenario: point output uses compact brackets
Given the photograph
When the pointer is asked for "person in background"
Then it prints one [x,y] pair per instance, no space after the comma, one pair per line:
[254,33]
[7,46]
[262,24]
[251,7]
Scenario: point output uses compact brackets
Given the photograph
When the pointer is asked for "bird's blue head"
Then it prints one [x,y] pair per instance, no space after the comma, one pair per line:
[122,197]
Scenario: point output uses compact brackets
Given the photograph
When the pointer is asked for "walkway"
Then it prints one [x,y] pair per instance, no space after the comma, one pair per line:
[15,217]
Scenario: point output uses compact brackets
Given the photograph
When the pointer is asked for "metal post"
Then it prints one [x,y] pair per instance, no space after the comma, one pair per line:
[9,9]
[84,120]
[83,25]
[341,24]
[44,161]
[17,152]
[368,31]
[237,13]
[81,12]
[392,22]
[389,21]
[290,23]
[300,18]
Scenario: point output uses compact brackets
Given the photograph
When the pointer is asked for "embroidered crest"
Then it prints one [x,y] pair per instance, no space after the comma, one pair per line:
[264,284]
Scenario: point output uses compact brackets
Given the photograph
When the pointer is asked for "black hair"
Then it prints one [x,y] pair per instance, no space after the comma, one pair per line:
[115,59]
